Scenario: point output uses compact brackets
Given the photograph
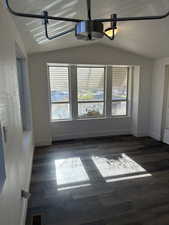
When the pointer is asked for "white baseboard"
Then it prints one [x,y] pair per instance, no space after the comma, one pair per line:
[91,134]
[141,134]
[155,135]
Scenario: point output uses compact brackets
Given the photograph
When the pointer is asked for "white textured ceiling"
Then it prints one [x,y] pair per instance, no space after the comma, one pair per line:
[148,38]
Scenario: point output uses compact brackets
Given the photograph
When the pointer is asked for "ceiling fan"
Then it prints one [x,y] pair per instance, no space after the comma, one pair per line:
[89,29]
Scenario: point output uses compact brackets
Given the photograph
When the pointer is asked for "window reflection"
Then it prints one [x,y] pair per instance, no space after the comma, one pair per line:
[70,173]
[119,167]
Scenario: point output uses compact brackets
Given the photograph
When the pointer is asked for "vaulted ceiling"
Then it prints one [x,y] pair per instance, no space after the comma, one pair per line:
[148,38]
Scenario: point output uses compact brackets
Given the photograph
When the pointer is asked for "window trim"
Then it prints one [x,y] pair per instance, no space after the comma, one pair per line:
[73,93]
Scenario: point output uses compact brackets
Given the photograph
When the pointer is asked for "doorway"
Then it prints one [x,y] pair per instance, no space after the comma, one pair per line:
[165,116]
[23,89]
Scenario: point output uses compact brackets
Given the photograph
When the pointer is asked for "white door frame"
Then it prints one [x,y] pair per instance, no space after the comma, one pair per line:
[165,101]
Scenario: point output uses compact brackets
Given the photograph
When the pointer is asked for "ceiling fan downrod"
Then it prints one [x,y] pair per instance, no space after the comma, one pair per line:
[89,29]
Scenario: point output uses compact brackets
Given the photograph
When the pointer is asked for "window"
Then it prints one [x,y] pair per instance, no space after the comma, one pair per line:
[119,91]
[59,90]
[90,89]
[78,91]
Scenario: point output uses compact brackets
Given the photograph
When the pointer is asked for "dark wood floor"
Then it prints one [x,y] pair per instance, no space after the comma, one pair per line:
[106,181]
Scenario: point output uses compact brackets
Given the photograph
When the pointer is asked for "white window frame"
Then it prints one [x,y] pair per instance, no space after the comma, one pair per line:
[49,93]
[104,99]
[127,97]
[73,93]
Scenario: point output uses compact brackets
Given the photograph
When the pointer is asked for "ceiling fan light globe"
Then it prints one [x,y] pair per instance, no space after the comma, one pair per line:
[109,32]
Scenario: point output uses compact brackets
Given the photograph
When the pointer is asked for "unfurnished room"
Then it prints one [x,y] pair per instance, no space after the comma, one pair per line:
[84,112]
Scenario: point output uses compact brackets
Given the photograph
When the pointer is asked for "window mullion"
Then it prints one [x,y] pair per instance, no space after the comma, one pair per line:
[73,92]
[108,91]
[129,90]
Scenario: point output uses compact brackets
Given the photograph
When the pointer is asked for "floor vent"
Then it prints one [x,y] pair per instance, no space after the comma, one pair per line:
[37,220]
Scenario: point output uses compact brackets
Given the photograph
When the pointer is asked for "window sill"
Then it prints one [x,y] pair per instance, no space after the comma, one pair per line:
[89,119]
[104,118]
[57,121]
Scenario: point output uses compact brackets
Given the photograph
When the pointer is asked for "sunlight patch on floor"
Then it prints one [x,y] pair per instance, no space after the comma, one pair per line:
[119,167]
[128,177]
[70,173]
[73,187]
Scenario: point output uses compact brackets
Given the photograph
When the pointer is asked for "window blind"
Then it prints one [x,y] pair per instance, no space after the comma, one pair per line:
[90,82]
[59,84]
[119,83]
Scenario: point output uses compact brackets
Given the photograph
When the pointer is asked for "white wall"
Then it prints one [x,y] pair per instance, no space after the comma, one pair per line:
[157,98]
[19,147]
[91,54]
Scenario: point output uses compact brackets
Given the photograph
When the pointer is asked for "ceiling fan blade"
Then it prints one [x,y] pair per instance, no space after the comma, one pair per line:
[37,16]
[138,18]
[57,35]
